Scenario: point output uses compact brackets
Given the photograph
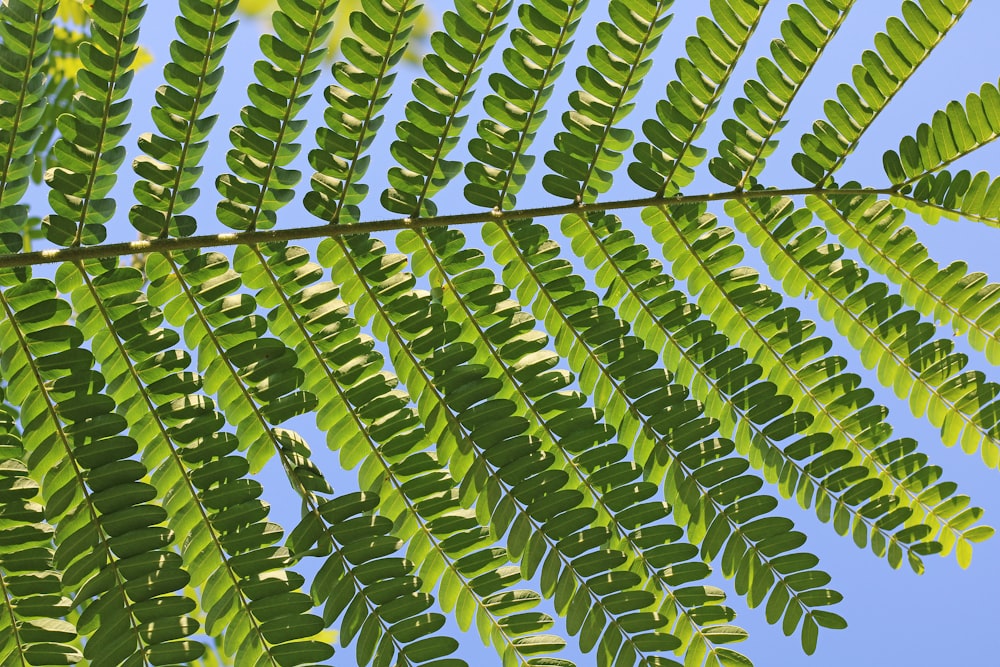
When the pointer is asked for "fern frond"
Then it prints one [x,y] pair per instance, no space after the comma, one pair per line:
[592,147]
[795,360]
[256,379]
[749,138]
[640,401]
[261,183]
[179,432]
[378,45]
[890,338]
[817,272]
[904,45]
[942,195]
[524,454]
[433,123]
[423,498]
[666,163]
[34,628]
[114,554]
[169,168]
[951,294]
[88,152]
[730,386]
[608,494]
[27,35]
[500,162]
[953,133]
[523,489]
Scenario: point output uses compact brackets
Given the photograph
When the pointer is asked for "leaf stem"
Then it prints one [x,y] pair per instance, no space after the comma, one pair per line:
[167,245]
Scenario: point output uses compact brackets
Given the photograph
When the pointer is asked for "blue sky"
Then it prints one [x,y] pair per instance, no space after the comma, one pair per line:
[947,616]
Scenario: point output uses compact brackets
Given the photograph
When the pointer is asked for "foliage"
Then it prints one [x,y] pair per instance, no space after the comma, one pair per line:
[263,9]
[523,445]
